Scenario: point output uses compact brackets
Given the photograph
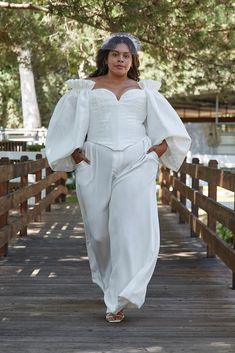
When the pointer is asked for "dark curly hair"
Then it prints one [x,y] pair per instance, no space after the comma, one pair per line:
[102,56]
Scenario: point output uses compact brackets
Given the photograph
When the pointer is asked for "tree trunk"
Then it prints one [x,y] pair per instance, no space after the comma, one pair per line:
[31,115]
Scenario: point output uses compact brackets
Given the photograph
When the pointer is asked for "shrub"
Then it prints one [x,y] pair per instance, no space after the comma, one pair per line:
[224,233]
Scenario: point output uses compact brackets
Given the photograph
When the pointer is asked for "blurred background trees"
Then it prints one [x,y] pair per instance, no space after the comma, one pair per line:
[188,44]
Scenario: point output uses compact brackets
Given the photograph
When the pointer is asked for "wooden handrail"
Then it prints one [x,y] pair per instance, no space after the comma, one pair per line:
[222,178]
[20,169]
[13,145]
[175,192]
[52,182]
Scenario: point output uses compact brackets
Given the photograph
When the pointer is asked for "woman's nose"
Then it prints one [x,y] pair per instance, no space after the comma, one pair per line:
[120,58]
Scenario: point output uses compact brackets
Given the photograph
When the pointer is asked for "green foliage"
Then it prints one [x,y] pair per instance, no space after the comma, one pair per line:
[10,106]
[224,233]
[35,148]
[183,37]
[71,181]
[190,45]
[71,198]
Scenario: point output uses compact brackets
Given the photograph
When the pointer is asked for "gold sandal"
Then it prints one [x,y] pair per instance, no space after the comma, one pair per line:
[118,317]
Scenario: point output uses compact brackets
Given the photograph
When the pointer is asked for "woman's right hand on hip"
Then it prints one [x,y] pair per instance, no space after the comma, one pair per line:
[79,156]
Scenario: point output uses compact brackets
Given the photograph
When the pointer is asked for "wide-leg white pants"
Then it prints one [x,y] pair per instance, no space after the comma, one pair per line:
[117,196]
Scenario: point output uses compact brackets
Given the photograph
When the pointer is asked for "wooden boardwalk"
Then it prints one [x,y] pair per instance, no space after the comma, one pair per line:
[48,303]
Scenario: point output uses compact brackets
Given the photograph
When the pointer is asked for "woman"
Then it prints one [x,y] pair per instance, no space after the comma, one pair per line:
[113,129]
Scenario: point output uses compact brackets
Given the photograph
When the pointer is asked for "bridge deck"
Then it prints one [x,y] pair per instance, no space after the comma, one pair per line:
[48,303]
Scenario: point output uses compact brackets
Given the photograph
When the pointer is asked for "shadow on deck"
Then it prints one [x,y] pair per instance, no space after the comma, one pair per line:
[48,303]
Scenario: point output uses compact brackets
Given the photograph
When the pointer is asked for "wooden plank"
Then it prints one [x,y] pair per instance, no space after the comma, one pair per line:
[189,305]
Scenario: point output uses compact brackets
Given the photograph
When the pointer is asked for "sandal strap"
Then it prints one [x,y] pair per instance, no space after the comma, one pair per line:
[111,317]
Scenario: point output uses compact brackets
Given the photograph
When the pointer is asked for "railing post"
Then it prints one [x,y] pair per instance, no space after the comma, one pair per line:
[48,189]
[57,183]
[38,177]
[164,183]
[182,198]
[233,273]
[24,205]
[4,189]
[194,207]
[212,193]
[174,191]
[63,196]
[160,178]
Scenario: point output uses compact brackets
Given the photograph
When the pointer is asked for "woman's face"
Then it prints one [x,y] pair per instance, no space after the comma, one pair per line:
[119,60]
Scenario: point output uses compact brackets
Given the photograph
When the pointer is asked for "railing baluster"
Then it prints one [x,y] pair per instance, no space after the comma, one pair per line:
[49,188]
[194,207]
[174,191]
[38,177]
[164,178]
[24,205]
[4,189]
[212,193]
[182,198]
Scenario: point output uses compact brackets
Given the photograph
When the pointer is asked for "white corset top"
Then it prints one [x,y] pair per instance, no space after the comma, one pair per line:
[115,123]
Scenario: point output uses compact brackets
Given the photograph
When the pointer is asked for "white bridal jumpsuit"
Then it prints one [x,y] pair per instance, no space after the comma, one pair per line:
[117,190]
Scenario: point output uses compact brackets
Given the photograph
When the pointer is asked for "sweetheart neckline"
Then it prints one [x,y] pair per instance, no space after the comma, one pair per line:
[118,98]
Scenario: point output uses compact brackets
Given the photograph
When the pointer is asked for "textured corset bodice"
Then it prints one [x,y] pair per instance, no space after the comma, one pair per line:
[115,123]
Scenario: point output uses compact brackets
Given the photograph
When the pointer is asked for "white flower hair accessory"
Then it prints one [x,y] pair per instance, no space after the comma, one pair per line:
[135,40]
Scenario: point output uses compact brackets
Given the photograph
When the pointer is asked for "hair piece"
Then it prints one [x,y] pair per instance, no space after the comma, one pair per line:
[133,39]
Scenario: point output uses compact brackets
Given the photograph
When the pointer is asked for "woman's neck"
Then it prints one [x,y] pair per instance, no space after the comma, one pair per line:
[116,78]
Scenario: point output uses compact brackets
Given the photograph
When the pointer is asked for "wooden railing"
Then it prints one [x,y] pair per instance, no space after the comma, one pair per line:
[174,191]
[13,146]
[15,211]
[20,134]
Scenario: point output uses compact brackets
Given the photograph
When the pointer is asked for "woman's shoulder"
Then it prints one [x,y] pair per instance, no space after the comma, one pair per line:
[150,84]
[80,83]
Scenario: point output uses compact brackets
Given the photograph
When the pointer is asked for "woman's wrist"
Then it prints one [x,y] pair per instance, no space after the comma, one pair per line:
[161,148]
[164,146]
[76,155]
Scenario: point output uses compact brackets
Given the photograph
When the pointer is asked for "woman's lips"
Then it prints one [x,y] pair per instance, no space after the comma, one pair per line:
[120,67]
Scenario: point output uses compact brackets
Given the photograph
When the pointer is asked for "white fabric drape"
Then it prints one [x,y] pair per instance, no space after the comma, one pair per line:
[68,126]
[70,121]
[117,196]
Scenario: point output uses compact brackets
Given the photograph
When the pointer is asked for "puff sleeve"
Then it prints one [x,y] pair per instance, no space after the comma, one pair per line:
[162,122]
[68,125]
